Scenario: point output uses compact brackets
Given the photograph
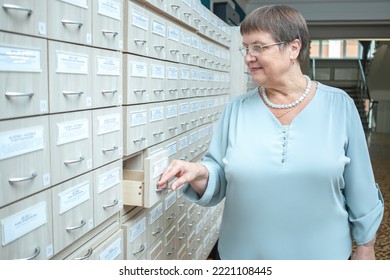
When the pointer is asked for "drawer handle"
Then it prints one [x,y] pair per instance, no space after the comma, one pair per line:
[172,216]
[65,22]
[195,57]
[83,223]
[175,7]
[66,93]
[139,140]
[185,54]
[18,8]
[204,27]
[159,47]
[184,158]
[173,128]
[66,162]
[159,230]
[185,89]
[158,133]
[37,251]
[19,94]
[158,91]
[17,180]
[183,236]
[141,249]
[184,204]
[110,150]
[196,20]
[114,33]
[171,252]
[174,52]
[141,91]
[111,205]
[172,91]
[89,253]
[113,91]
[187,14]
[184,124]
[139,41]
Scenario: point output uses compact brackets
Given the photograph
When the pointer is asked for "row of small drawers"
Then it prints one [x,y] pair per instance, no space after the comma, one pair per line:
[42,151]
[45,223]
[193,14]
[150,124]
[153,35]
[71,81]
[171,227]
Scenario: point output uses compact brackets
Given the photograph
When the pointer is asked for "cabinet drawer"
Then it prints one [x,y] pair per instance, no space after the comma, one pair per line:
[69,75]
[27,17]
[72,210]
[135,233]
[71,145]
[23,143]
[135,134]
[27,64]
[107,135]
[156,126]
[156,223]
[170,207]
[173,51]
[107,191]
[107,78]
[137,37]
[107,29]
[157,36]
[70,21]
[111,249]
[156,252]
[26,228]
[157,80]
[137,80]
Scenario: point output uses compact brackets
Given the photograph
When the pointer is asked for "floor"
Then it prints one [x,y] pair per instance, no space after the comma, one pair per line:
[379,145]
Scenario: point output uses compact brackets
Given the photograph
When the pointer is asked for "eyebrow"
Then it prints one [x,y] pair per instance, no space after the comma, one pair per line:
[253,43]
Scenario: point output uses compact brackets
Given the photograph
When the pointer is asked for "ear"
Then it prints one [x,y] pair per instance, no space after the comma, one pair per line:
[295,47]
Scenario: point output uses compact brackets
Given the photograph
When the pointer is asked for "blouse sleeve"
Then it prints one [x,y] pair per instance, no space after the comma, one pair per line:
[363,197]
[213,160]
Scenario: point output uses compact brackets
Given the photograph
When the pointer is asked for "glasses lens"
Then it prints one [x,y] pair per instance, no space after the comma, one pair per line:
[243,51]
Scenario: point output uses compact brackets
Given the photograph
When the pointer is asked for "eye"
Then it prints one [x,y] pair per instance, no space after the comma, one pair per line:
[256,48]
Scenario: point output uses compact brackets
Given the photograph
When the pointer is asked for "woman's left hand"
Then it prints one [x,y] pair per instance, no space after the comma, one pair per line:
[365,251]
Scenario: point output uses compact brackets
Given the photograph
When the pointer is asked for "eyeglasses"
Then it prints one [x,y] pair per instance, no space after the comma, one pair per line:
[256,49]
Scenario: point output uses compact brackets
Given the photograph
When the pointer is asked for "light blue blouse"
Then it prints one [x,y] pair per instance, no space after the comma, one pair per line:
[298,191]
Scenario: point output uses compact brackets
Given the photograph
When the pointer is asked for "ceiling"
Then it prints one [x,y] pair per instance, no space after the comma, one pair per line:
[338,19]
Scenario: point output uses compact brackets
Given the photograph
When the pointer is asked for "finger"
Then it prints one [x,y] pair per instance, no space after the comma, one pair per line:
[173,170]
[179,182]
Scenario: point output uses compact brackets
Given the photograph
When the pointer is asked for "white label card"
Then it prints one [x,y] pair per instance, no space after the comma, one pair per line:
[170,200]
[172,73]
[172,149]
[186,39]
[158,28]
[108,180]
[23,222]
[138,118]
[171,111]
[72,63]
[14,59]
[112,251]
[159,167]
[156,213]
[184,74]
[79,3]
[140,20]
[109,123]
[110,9]
[138,229]
[22,141]
[156,114]
[184,108]
[157,71]
[72,131]
[139,69]
[72,197]
[173,34]
[108,66]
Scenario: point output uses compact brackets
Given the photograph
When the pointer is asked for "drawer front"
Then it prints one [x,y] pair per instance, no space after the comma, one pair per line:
[137,29]
[26,228]
[157,80]
[170,207]
[172,81]
[157,36]
[136,237]
[173,51]
[156,252]
[72,210]
[70,21]
[26,17]
[71,145]
[136,133]
[111,249]
[107,78]
[23,143]
[182,253]
[107,191]
[107,135]
[107,29]
[156,127]
[184,85]
[156,223]
[137,80]
[27,64]
[69,75]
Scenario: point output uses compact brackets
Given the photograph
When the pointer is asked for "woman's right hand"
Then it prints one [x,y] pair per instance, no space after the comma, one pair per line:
[194,173]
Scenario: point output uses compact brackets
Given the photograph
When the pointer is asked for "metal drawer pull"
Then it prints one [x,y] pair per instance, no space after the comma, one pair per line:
[171,252]
[36,253]
[159,47]
[185,54]
[110,150]
[18,8]
[173,128]
[159,230]
[139,140]
[142,42]
[158,91]
[66,162]
[65,22]
[183,236]
[19,94]
[83,223]
[72,93]
[175,7]
[109,91]
[158,133]
[174,51]
[196,20]
[114,33]
[184,204]
[111,205]
[89,253]
[172,216]
[142,248]
[141,91]
[17,180]
[187,14]
[172,91]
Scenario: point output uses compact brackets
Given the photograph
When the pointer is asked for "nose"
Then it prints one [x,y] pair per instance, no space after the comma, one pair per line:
[249,58]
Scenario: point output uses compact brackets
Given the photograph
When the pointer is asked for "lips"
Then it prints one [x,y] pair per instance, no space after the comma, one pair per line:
[255,69]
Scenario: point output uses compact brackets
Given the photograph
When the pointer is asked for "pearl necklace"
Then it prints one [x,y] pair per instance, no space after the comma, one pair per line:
[290,105]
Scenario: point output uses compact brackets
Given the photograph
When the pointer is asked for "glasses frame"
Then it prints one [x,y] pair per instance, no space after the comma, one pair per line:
[249,49]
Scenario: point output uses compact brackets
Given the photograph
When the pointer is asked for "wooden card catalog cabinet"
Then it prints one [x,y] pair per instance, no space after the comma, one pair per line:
[139,187]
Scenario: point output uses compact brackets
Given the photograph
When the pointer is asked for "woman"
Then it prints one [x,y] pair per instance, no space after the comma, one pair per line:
[290,157]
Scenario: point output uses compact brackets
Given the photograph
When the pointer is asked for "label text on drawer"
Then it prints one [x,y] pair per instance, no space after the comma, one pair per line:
[112,251]
[138,229]
[108,66]
[138,118]
[139,69]
[110,9]
[23,222]
[109,123]
[21,141]
[108,179]
[159,167]
[155,213]
[73,197]
[72,131]
[140,20]
[72,63]
[19,59]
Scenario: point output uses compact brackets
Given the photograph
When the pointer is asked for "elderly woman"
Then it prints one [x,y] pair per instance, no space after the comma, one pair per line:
[289,157]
